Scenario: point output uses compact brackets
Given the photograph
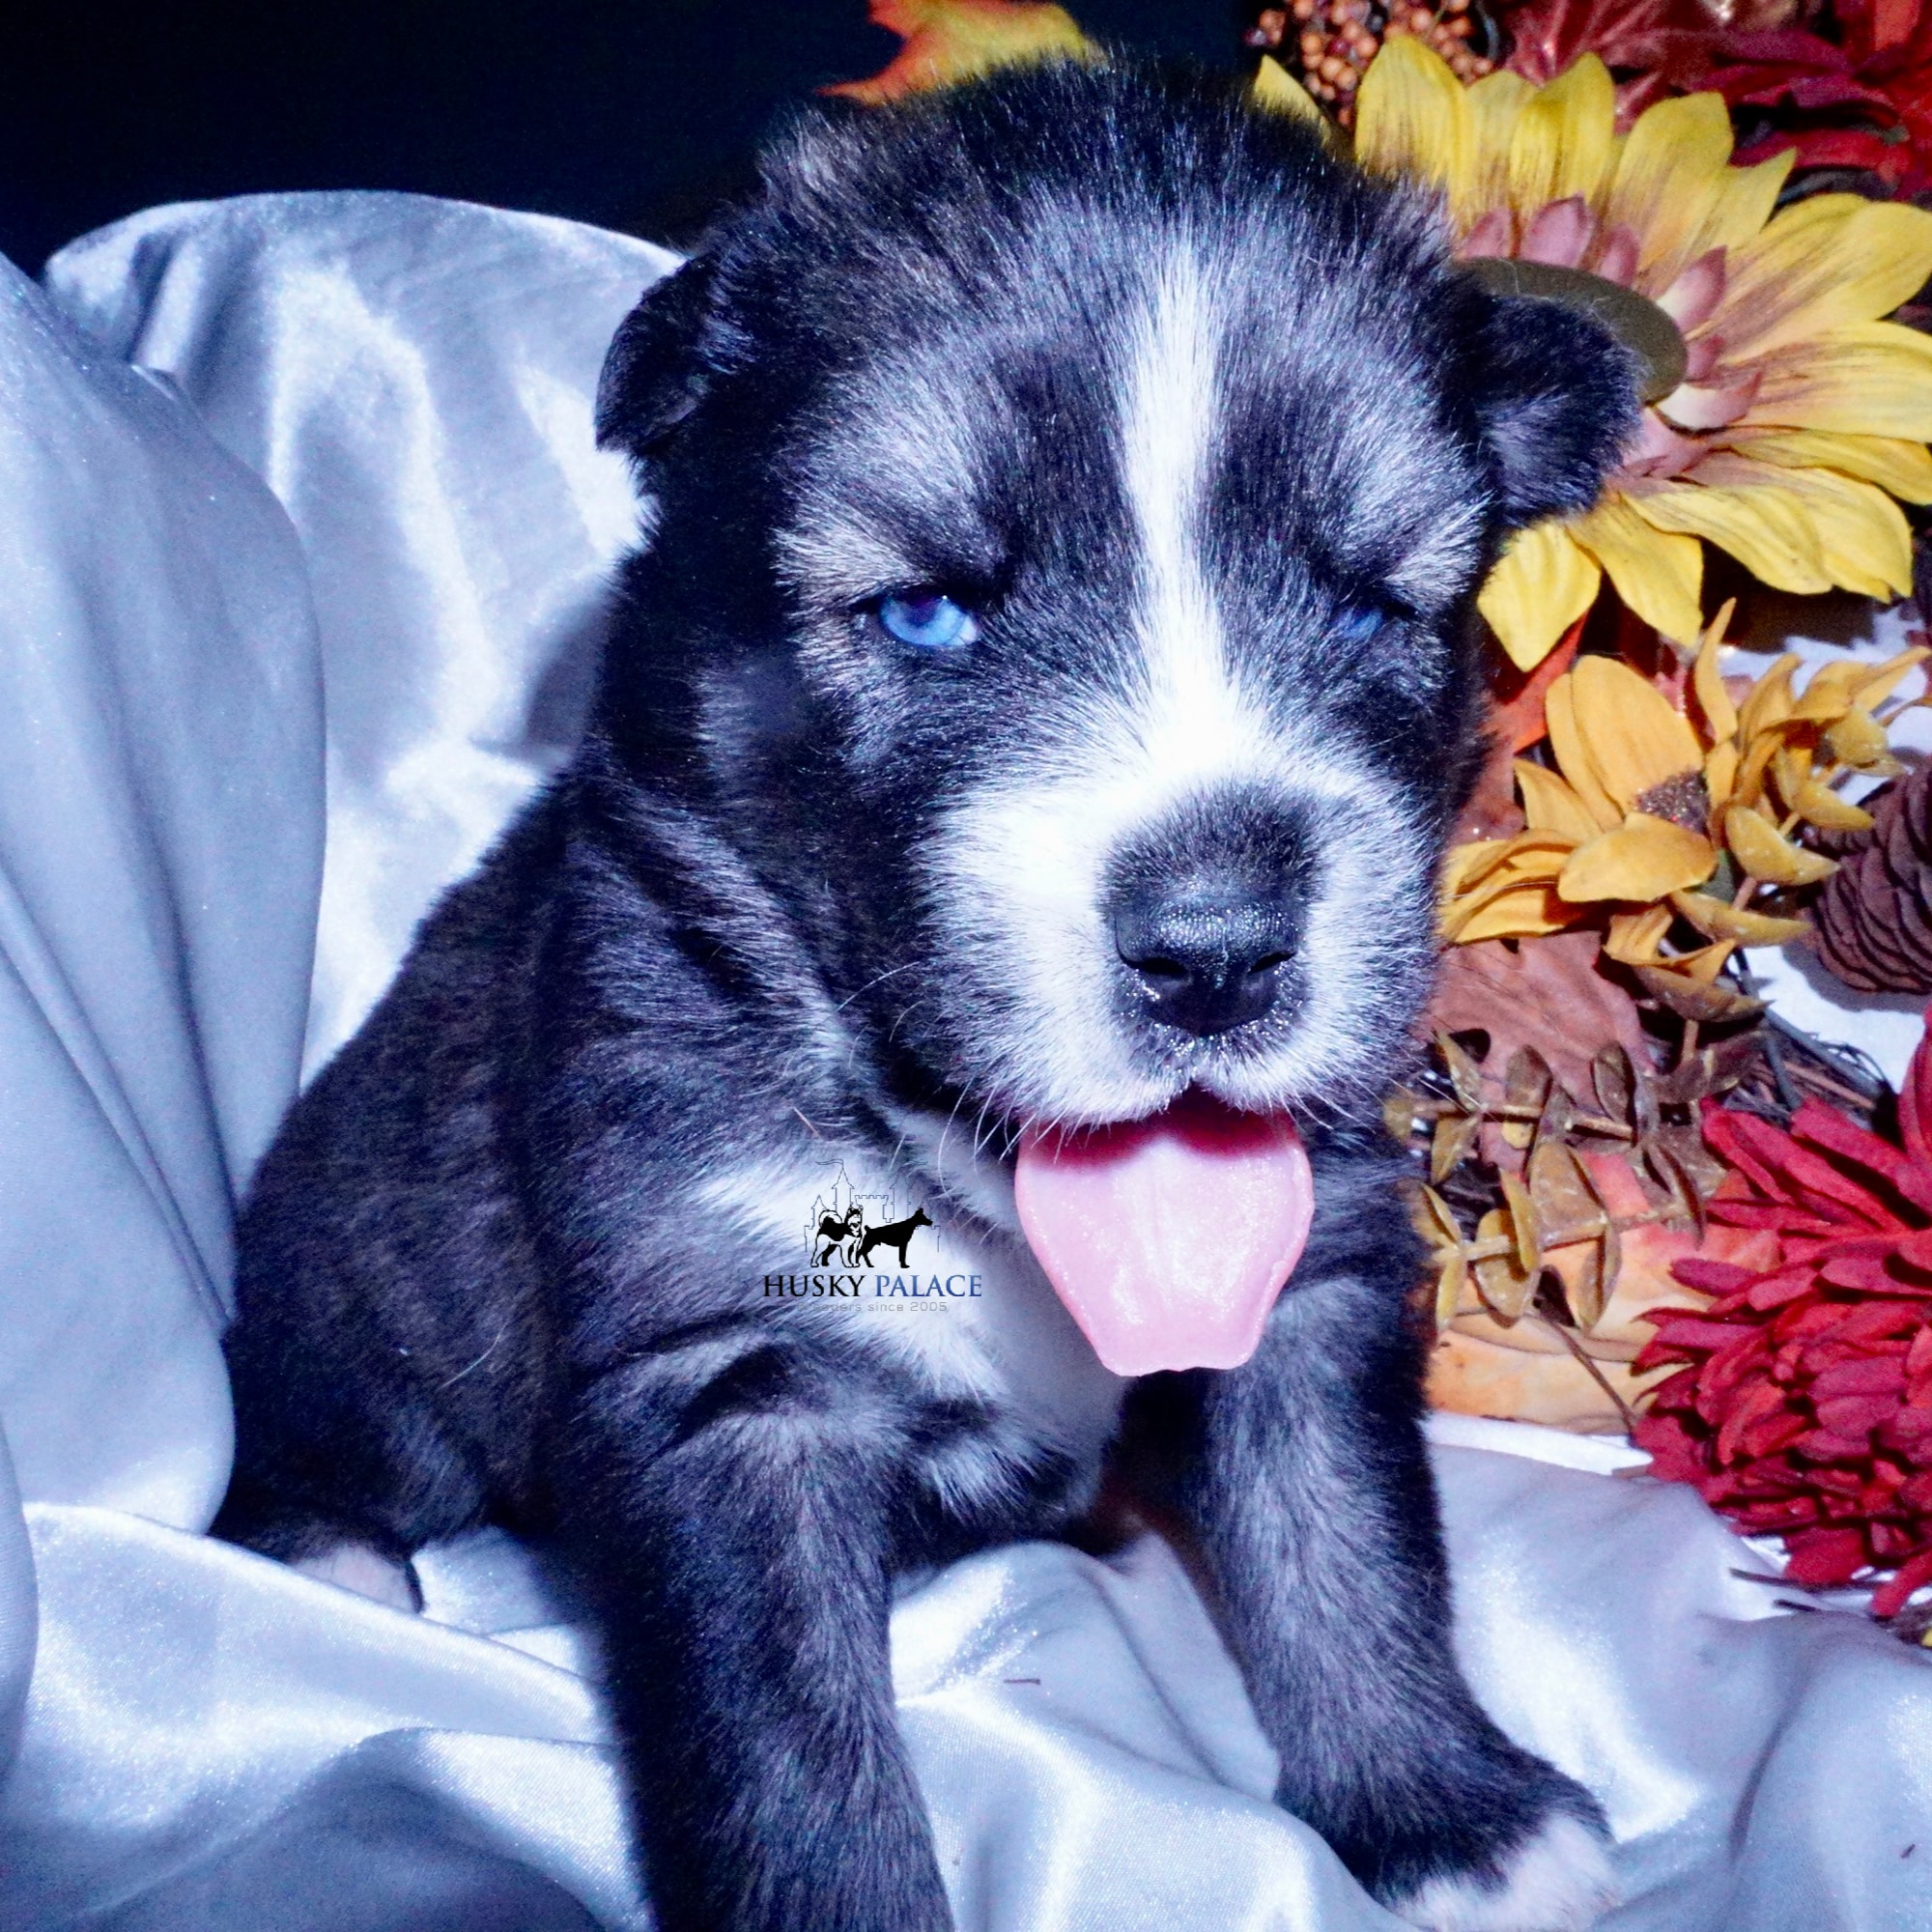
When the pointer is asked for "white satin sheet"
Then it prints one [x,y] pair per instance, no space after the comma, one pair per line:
[365,476]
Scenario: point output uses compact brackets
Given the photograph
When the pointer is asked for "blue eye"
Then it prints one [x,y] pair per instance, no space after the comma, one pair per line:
[1357,623]
[929,621]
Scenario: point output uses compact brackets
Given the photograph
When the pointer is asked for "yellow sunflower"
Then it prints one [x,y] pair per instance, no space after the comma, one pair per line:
[1798,409]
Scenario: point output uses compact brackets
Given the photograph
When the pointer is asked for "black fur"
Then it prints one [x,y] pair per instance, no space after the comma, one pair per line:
[502,1263]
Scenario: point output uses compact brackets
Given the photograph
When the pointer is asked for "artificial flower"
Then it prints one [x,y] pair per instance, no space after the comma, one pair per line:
[1647,803]
[1526,1367]
[947,42]
[1801,1398]
[1865,103]
[1800,415]
[1656,48]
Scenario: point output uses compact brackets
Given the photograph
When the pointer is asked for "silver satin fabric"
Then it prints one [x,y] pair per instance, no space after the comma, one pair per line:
[363,474]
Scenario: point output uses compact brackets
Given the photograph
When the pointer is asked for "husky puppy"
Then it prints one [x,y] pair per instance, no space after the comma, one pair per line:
[1043,696]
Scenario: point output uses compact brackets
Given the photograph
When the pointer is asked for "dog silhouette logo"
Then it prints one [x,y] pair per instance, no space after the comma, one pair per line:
[893,1234]
[849,1228]
[838,1235]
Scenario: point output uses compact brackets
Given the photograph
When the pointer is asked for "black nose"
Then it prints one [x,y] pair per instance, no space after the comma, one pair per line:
[1210,952]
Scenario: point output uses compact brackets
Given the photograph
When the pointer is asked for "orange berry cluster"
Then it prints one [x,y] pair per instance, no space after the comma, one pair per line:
[1330,43]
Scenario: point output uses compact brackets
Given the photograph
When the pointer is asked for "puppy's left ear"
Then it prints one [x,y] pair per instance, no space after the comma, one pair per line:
[655,372]
[1556,395]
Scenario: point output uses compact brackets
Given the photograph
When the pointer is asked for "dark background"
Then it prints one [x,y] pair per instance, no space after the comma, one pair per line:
[633,113]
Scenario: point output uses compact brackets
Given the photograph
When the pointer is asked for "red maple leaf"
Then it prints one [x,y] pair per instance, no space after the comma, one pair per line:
[1652,47]
[1866,102]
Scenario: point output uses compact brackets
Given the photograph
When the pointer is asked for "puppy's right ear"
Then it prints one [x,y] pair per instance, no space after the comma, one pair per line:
[654,374]
[1556,392]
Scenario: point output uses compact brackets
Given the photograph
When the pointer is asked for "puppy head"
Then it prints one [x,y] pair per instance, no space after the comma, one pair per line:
[1073,494]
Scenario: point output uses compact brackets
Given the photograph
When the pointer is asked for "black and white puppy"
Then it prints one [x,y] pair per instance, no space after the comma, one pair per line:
[1044,692]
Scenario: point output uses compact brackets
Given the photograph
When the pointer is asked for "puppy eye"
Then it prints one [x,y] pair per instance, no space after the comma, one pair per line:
[927,621]
[1357,623]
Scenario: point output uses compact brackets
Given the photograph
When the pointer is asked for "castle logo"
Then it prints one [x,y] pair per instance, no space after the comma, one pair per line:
[848,1236]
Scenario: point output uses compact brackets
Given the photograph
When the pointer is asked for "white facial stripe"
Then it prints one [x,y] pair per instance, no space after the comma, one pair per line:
[1169,418]
[1020,867]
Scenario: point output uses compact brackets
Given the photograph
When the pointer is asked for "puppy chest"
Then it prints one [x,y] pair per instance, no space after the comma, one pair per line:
[851,1245]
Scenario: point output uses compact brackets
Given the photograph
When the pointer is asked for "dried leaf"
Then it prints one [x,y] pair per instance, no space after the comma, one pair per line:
[1566,1204]
[1700,1166]
[1505,1373]
[1547,994]
[1559,1175]
[1449,1146]
[1610,1260]
[1399,1115]
[1464,1075]
[1558,1116]
[1517,697]
[1689,1080]
[1692,1000]
[1528,1085]
[1501,1281]
[1615,1082]
[1482,1366]
[1451,1279]
[1439,1226]
[1644,1101]
[1671,1172]
[1584,1292]
[1514,722]
[1525,1223]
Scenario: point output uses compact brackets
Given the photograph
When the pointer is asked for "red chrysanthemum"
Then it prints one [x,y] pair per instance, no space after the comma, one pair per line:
[1805,1404]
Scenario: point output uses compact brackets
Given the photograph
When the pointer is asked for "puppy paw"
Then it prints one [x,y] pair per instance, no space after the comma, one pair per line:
[1559,1881]
[354,1566]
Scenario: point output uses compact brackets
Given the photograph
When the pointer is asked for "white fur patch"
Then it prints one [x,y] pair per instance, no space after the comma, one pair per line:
[1169,433]
[1560,1882]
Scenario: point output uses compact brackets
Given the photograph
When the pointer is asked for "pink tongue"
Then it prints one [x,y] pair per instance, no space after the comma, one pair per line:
[1167,1239]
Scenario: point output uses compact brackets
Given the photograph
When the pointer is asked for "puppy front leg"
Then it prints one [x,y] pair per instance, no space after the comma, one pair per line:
[735,1550]
[1315,1499]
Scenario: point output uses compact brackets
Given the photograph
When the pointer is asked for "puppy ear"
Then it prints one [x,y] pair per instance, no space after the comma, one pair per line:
[1556,395]
[654,373]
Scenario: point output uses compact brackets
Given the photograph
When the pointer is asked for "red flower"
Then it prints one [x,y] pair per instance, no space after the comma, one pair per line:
[1866,104]
[1805,1404]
